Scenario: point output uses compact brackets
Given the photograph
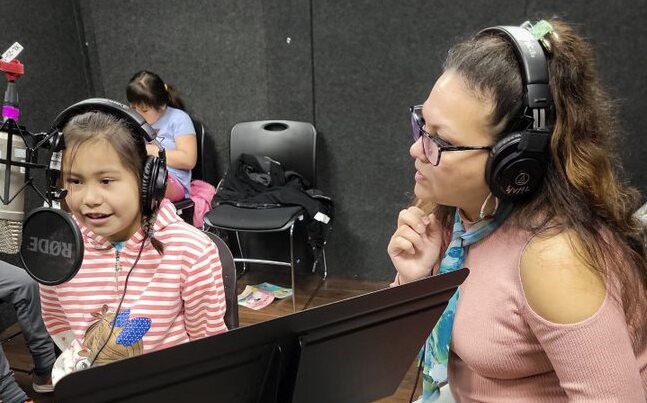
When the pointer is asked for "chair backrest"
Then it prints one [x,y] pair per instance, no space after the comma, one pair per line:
[293,144]
[206,167]
[198,170]
[228,279]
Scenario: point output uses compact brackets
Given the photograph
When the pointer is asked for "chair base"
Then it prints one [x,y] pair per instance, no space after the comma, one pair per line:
[292,264]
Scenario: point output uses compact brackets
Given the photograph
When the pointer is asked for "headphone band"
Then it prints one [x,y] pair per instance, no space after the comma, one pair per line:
[131,117]
[154,172]
[537,99]
[517,164]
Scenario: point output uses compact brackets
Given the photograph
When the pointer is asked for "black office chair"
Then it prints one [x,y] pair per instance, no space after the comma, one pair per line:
[228,279]
[294,145]
[206,167]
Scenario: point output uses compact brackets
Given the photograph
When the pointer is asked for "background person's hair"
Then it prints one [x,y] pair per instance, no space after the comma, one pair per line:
[147,88]
[584,191]
[106,129]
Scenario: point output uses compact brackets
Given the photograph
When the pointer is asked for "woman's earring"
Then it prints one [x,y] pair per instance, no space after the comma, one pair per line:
[487,199]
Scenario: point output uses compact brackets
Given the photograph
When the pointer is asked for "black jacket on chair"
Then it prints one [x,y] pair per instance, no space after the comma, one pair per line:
[254,181]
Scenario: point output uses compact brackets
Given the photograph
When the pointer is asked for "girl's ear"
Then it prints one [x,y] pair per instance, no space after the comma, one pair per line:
[61,184]
[64,205]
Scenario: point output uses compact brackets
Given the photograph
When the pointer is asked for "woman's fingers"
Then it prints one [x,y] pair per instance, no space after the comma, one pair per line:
[412,236]
[398,245]
[415,244]
[414,218]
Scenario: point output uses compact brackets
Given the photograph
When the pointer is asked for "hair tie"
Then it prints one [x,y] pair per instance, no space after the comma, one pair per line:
[150,234]
[541,30]
[166,87]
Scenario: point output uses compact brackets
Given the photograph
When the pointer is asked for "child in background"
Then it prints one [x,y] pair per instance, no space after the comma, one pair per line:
[163,109]
[148,280]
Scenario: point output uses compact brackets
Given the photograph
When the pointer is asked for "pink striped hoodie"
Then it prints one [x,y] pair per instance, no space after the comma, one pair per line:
[170,299]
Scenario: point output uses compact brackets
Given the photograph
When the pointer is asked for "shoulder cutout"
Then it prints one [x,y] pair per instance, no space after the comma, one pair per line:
[558,285]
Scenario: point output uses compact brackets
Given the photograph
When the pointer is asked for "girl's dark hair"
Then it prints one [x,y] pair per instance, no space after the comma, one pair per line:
[584,191]
[147,88]
[100,127]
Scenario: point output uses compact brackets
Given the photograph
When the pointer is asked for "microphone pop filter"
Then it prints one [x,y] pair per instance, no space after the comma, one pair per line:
[52,246]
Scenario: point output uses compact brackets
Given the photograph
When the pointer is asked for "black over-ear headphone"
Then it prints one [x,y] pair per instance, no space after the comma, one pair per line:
[154,175]
[517,163]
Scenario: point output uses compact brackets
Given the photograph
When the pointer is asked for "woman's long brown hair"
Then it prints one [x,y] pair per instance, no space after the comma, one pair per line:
[584,192]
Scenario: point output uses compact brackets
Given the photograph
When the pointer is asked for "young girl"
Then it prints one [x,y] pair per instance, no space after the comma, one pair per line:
[163,109]
[555,306]
[147,282]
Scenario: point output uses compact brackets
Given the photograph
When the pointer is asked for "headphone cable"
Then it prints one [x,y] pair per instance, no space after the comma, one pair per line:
[415,383]
[123,296]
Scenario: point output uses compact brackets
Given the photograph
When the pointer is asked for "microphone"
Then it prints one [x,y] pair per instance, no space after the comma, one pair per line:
[12,210]
[12,150]
[52,249]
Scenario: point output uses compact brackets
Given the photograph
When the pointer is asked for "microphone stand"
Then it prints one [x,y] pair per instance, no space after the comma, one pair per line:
[13,70]
[11,128]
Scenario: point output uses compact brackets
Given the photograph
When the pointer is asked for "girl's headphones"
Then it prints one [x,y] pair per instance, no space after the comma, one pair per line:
[517,163]
[154,175]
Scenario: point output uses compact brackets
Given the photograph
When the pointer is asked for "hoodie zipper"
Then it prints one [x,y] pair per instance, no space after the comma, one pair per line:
[117,269]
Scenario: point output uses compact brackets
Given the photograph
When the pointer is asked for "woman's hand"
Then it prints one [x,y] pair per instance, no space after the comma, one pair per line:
[415,246]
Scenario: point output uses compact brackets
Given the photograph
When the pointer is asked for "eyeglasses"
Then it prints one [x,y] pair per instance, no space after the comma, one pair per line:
[432,145]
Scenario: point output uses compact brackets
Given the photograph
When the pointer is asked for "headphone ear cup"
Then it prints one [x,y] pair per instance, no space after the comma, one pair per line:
[153,185]
[512,173]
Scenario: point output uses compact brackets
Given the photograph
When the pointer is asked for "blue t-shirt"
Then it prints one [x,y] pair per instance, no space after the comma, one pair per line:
[172,124]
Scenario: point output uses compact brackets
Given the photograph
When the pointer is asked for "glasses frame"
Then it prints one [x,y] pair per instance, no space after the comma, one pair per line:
[418,132]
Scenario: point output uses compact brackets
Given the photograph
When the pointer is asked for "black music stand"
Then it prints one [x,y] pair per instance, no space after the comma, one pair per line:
[355,350]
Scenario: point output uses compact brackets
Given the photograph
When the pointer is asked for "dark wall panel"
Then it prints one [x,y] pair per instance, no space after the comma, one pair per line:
[374,59]
[352,68]
[54,69]
[231,60]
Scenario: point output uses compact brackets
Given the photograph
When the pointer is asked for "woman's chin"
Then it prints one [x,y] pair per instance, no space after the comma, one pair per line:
[423,193]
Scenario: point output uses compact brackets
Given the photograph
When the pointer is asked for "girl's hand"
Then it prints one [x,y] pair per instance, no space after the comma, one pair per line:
[152,149]
[415,246]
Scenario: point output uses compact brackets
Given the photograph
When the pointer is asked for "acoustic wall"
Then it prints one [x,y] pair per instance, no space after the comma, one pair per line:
[55,74]
[371,63]
[351,68]
[53,59]
[230,60]
[372,60]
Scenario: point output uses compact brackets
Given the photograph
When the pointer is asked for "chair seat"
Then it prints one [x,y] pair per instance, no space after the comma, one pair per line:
[184,209]
[234,218]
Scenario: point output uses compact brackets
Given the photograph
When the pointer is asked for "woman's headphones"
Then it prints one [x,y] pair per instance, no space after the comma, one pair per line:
[517,163]
[154,174]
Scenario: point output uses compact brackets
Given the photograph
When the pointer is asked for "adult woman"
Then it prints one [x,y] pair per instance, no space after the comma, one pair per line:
[554,307]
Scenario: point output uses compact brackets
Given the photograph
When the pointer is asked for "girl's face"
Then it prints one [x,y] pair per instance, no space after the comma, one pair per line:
[460,118]
[150,114]
[102,193]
